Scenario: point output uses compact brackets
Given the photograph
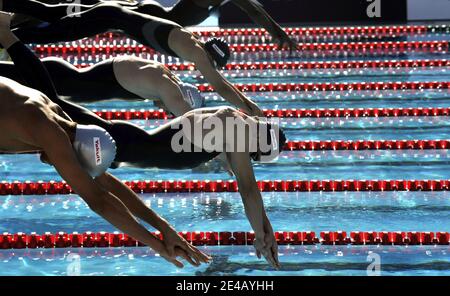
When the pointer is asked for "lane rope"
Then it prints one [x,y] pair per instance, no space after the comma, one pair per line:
[369,47]
[290,113]
[304,65]
[337,86]
[358,145]
[385,30]
[334,65]
[196,186]
[224,238]
[344,31]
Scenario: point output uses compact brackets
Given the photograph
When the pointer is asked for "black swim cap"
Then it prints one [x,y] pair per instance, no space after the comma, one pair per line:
[219,50]
[276,139]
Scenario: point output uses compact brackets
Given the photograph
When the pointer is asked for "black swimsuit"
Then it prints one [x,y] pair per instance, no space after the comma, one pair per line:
[184,12]
[94,84]
[88,21]
[135,146]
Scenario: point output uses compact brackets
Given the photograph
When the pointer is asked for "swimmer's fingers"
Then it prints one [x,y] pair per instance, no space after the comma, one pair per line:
[274,250]
[259,245]
[196,253]
[192,260]
[174,261]
[267,253]
[271,247]
[265,249]
[258,254]
[202,256]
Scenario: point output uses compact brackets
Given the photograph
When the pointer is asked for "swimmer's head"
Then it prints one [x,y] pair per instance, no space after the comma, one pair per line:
[95,149]
[219,50]
[271,140]
[192,95]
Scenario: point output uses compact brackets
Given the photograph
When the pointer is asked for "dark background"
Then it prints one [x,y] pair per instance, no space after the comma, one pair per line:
[320,11]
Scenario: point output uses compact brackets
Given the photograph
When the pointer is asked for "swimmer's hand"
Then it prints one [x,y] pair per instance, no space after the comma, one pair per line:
[223,160]
[253,109]
[178,246]
[266,245]
[162,251]
[284,41]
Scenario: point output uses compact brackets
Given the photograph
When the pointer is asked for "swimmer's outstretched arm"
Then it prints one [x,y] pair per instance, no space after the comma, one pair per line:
[187,47]
[171,239]
[265,242]
[58,148]
[47,134]
[259,15]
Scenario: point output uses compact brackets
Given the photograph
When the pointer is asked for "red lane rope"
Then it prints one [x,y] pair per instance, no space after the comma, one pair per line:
[182,186]
[339,86]
[289,113]
[384,31]
[375,47]
[367,145]
[330,31]
[371,64]
[334,65]
[224,238]
[359,145]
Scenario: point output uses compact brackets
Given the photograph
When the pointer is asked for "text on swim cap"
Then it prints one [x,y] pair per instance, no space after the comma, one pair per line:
[98,151]
[218,50]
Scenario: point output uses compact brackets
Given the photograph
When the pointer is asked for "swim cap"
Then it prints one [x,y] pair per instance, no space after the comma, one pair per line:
[192,95]
[95,149]
[274,142]
[219,51]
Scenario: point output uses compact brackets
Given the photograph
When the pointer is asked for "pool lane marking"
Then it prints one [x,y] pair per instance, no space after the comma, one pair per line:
[224,238]
[18,188]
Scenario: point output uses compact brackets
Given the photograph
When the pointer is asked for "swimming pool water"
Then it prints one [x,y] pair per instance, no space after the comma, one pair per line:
[291,211]
[365,211]
[295,211]
[232,260]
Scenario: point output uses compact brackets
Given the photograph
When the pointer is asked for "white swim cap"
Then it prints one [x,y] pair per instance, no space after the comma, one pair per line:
[95,149]
[192,95]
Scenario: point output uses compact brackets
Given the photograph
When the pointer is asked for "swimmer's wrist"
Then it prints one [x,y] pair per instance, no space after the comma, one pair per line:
[164,227]
[260,235]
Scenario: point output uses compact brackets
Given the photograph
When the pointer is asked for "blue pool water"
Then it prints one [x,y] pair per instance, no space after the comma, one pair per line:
[298,260]
[298,211]
[364,211]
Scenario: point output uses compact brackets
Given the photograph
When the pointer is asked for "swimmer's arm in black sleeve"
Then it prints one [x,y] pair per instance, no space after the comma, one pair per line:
[265,243]
[29,67]
[34,74]
[259,15]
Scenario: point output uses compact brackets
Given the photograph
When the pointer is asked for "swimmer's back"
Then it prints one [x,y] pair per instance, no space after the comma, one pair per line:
[18,99]
[14,94]
[16,105]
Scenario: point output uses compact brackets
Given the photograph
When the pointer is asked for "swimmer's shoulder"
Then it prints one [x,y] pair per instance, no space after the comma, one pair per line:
[12,89]
[19,98]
